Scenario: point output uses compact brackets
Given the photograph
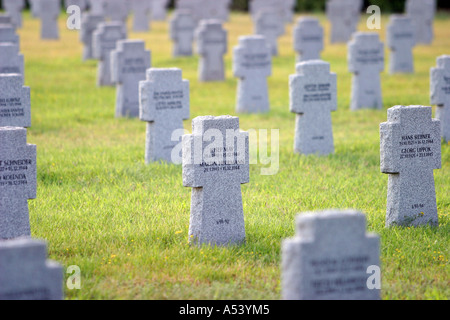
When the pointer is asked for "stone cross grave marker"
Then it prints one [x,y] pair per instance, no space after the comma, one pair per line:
[11,60]
[116,10]
[269,25]
[8,34]
[182,27]
[212,45]
[308,39]
[252,64]
[410,149]
[159,9]
[89,23]
[17,182]
[129,63]
[283,8]
[27,274]
[422,14]
[341,16]
[329,258]
[401,41]
[312,98]
[164,104]
[104,40]
[440,93]
[141,14]
[15,108]
[215,164]
[14,9]
[366,61]
[82,4]
[49,11]
[97,7]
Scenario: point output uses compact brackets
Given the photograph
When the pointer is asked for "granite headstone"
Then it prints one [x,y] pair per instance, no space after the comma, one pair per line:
[15,107]
[164,104]
[308,39]
[440,93]
[182,28]
[89,23]
[410,149]
[11,60]
[401,41]
[269,25]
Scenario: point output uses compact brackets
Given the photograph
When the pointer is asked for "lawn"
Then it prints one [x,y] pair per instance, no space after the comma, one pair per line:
[125,224]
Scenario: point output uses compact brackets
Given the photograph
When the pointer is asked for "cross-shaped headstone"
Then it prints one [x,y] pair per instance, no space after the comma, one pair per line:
[11,60]
[440,93]
[182,27]
[331,257]
[212,45]
[82,4]
[96,7]
[141,14]
[8,34]
[215,164]
[401,41]
[26,273]
[159,9]
[283,8]
[14,9]
[366,61]
[312,97]
[129,63]
[410,149]
[308,39]
[89,24]
[269,25]
[49,11]
[164,104]
[252,64]
[422,14]
[116,10]
[34,8]
[104,40]
[17,181]
[15,110]
[341,16]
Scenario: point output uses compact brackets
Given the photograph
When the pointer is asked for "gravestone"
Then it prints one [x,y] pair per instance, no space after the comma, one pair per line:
[141,14]
[104,41]
[366,61]
[6,19]
[14,9]
[96,7]
[17,181]
[159,9]
[215,171]
[341,16]
[48,11]
[308,39]
[252,64]
[329,258]
[212,45]
[11,60]
[440,93]
[15,108]
[27,274]
[205,9]
[410,149]
[89,23]
[182,28]
[313,96]
[164,104]
[269,25]
[129,63]
[116,10]
[82,4]
[34,8]
[422,14]
[283,8]
[401,41]
[8,34]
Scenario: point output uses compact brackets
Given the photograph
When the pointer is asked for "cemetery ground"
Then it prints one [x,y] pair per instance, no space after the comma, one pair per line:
[125,224]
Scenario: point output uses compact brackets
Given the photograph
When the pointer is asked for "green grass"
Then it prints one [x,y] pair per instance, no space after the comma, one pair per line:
[125,224]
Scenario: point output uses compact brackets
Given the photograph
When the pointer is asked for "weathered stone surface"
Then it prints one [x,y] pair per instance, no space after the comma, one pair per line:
[15,110]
